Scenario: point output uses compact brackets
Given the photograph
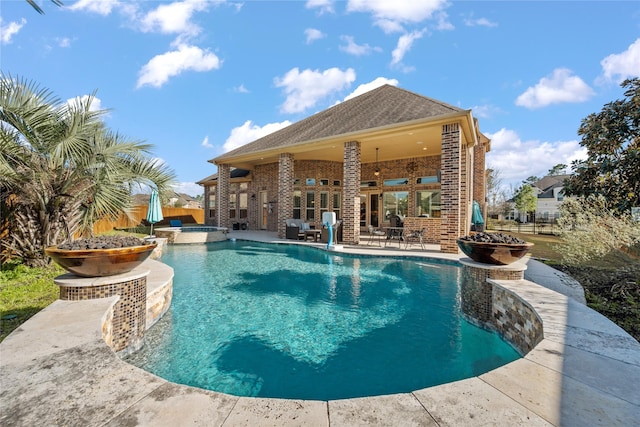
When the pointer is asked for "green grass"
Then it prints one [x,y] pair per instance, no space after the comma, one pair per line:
[25,291]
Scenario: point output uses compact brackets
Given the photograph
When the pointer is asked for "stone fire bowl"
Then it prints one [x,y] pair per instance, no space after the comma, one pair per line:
[100,262]
[493,253]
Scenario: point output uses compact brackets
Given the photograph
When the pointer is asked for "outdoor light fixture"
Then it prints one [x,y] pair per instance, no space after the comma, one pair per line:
[377,171]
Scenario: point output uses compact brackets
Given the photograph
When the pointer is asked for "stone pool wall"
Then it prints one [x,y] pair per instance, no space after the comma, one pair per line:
[144,295]
[486,303]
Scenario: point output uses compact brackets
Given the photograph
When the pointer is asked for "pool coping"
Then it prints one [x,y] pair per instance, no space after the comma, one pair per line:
[56,370]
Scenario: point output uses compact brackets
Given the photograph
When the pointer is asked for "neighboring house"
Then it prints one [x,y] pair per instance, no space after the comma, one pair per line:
[176,200]
[182,200]
[550,197]
[386,152]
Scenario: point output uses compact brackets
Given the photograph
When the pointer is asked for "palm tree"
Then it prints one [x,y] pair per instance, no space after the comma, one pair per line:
[39,9]
[61,169]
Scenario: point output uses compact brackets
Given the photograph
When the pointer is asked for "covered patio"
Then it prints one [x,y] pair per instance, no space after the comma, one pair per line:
[386,152]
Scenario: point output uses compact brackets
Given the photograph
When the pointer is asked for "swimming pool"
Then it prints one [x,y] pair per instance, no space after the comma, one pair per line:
[291,321]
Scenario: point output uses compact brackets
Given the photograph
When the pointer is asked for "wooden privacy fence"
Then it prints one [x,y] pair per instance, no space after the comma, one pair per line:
[139,213]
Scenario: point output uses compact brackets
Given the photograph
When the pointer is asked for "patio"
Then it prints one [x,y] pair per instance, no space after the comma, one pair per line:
[57,370]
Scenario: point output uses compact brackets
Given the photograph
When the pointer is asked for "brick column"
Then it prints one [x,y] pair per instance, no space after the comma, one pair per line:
[479,177]
[351,196]
[465,219]
[222,195]
[285,192]
[450,187]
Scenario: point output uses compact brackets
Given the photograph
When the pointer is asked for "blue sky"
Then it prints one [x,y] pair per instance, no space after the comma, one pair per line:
[198,78]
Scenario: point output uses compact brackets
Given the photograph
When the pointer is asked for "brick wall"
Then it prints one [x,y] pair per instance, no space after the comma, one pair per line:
[351,197]
[450,186]
[222,196]
[431,226]
[285,191]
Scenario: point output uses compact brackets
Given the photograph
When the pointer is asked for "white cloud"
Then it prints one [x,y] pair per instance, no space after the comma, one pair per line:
[561,87]
[96,103]
[404,45]
[392,16]
[249,132]
[10,30]
[102,7]
[363,88]
[352,48]
[205,142]
[485,111]
[479,22]
[64,42]
[623,65]
[158,70]
[304,89]
[514,157]
[174,18]
[190,188]
[241,89]
[324,6]
[313,35]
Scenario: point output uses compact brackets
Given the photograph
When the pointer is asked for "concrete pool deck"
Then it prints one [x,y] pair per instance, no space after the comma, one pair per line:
[56,370]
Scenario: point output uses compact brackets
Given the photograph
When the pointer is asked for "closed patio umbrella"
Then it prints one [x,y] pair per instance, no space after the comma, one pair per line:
[154,212]
[476,217]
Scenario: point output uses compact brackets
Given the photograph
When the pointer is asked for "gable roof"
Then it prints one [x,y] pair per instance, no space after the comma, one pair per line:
[385,106]
[550,182]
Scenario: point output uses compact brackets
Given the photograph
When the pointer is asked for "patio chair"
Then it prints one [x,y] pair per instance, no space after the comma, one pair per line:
[375,232]
[414,236]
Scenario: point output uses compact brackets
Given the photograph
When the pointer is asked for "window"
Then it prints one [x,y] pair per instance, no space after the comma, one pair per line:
[311,202]
[296,181]
[324,182]
[368,184]
[212,204]
[243,204]
[324,202]
[310,181]
[428,204]
[396,181]
[395,203]
[337,204]
[427,180]
[244,185]
[336,183]
[232,205]
[297,196]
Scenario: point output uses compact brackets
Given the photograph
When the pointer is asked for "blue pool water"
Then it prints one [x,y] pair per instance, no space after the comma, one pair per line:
[290,321]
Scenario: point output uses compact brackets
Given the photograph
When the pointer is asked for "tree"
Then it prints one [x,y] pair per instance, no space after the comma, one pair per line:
[531,180]
[558,169]
[61,169]
[525,199]
[589,229]
[612,140]
[496,194]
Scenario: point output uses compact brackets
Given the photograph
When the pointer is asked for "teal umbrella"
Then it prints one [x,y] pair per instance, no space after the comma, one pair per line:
[154,212]
[476,215]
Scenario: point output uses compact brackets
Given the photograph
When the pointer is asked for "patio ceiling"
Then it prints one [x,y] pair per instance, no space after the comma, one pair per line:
[410,140]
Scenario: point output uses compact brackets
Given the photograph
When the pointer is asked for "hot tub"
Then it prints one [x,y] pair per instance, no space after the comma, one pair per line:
[192,234]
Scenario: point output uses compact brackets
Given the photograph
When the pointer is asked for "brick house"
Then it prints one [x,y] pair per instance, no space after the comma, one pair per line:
[386,152]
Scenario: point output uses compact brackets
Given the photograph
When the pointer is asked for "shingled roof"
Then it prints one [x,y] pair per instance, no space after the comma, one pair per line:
[384,106]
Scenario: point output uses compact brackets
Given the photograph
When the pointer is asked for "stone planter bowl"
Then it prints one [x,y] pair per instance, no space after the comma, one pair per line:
[100,262]
[493,253]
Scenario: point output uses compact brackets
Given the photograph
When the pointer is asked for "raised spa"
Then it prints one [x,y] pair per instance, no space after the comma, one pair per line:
[291,321]
[192,234]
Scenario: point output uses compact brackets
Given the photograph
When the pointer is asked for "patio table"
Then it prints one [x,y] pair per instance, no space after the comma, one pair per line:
[313,233]
[394,233]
